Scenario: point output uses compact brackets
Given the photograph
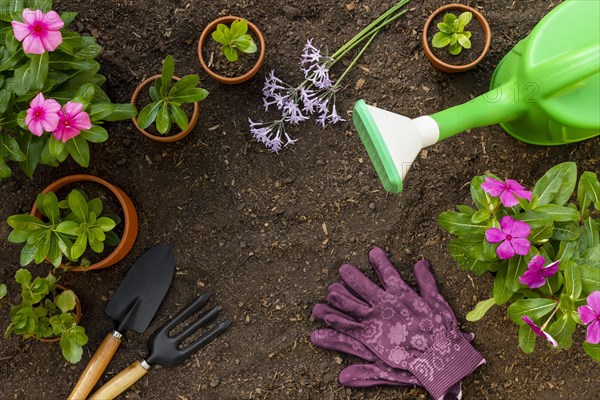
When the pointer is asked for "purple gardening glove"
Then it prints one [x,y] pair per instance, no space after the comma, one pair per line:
[406,331]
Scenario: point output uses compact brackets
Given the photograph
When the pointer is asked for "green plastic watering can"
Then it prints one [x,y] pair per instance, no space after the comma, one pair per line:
[545,91]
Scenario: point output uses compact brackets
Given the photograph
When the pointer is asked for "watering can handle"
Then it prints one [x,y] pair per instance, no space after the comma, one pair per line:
[506,102]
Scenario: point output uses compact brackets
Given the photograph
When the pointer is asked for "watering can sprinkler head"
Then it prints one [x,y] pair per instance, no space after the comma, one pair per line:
[539,94]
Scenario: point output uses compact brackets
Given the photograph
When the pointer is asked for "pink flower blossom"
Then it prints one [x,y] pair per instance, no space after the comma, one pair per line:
[590,316]
[536,273]
[506,190]
[39,32]
[513,235]
[539,331]
[42,115]
[72,120]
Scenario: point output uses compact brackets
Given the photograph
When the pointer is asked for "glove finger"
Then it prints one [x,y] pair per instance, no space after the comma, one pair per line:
[342,288]
[343,324]
[368,375]
[358,282]
[387,273]
[320,311]
[429,292]
[348,304]
[330,339]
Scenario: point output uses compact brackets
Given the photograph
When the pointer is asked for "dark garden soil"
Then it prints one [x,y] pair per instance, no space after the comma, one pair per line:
[266,233]
[218,63]
[466,56]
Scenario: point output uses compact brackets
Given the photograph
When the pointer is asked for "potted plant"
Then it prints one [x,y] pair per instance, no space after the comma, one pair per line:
[52,105]
[165,103]
[56,229]
[451,42]
[48,312]
[543,248]
[230,54]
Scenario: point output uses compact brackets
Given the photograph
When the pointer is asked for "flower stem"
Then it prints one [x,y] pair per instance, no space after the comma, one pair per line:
[551,315]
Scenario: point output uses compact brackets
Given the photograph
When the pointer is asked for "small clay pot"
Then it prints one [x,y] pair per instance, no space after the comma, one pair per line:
[206,33]
[77,315]
[167,138]
[451,68]
[130,220]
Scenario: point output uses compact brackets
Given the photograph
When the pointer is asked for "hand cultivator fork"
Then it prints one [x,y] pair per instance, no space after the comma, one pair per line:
[164,349]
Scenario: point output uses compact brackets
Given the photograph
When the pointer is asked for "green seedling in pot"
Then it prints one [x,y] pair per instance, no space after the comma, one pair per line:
[47,311]
[167,99]
[234,38]
[452,33]
[66,230]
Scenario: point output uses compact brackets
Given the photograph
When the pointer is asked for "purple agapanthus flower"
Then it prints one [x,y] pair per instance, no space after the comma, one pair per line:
[539,331]
[270,134]
[506,190]
[536,273]
[590,316]
[513,235]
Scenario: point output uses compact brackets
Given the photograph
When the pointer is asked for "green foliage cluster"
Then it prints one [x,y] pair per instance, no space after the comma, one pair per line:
[234,38]
[452,33]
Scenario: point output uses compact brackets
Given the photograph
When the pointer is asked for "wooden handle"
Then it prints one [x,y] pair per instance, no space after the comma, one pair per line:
[96,366]
[119,383]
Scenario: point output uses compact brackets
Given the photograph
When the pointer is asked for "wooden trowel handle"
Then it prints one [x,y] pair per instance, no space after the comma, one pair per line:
[96,366]
[119,383]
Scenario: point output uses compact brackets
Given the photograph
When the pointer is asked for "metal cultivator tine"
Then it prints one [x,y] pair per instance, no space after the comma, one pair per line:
[165,349]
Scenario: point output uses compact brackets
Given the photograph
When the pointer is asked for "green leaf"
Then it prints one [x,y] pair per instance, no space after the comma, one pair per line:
[444,27]
[3,291]
[66,301]
[573,284]
[96,134]
[148,114]
[79,149]
[219,34]
[559,213]
[562,331]
[38,71]
[111,238]
[480,309]
[480,216]
[167,74]
[26,222]
[526,339]
[588,191]
[463,19]
[23,276]
[516,267]
[68,228]
[440,39]
[71,350]
[9,148]
[54,252]
[455,48]
[56,147]
[541,234]
[239,27]
[589,234]
[79,246]
[105,224]
[111,112]
[27,254]
[187,82]
[566,231]
[42,248]
[593,350]
[190,95]
[557,184]
[246,45]
[501,292]
[533,308]
[464,41]
[592,256]
[51,208]
[95,206]
[163,120]
[590,279]
[460,224]
[78,205]
[179,117]
[566,250]
[230,53]
[534,219]
[462,252]
[449,19]
[31,146]
[67,17]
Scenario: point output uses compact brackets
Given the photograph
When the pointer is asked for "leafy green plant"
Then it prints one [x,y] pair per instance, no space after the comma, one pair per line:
[452,33]
[167,99]
[543,248]
[234,38]
[69,227]
[65,71]
[46,311]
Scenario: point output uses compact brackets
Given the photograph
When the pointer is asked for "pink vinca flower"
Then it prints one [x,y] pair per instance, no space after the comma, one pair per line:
[72,120]
[513,235]
[42,115]
[506,190]
[536,273]
[539,331]
[590,315]
[39,32]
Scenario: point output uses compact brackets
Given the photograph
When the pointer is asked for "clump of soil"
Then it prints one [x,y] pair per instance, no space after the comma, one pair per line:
[218,63]
[466,56]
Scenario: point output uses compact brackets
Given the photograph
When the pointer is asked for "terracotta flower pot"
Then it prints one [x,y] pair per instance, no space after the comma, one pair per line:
[77,315]
[206,34]
[130,220]
[451,68]
[167,138]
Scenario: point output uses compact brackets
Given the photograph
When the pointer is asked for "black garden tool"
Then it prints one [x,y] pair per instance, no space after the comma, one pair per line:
[164,349]
[132,307]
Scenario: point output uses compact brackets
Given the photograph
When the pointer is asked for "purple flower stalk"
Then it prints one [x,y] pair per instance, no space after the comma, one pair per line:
[536,273]
[513,235]
[590,316]
[270,134]
[539,331]
[506,191]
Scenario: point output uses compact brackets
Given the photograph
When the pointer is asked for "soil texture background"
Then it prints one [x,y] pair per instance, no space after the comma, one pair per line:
[266,233]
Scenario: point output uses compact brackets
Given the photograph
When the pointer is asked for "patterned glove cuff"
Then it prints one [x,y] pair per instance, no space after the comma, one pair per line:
[447,362]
